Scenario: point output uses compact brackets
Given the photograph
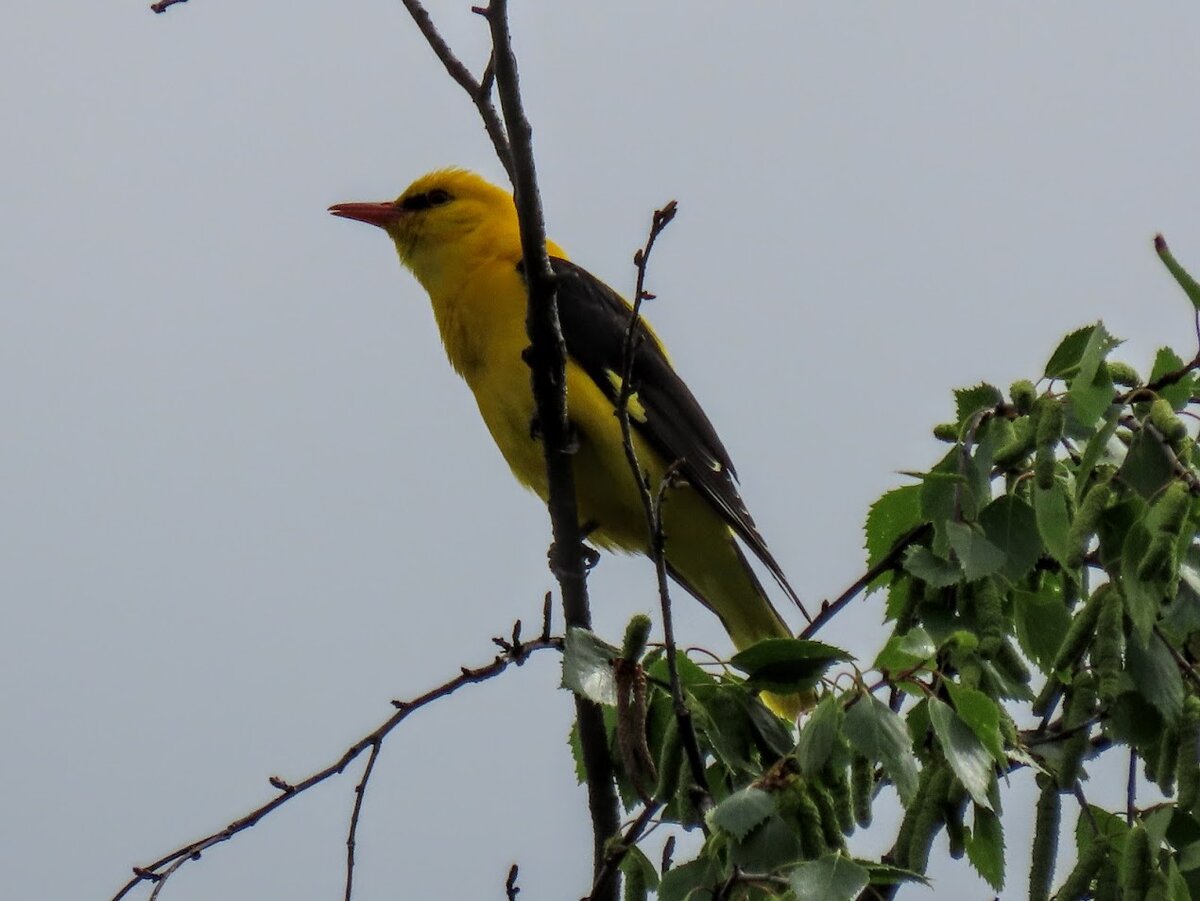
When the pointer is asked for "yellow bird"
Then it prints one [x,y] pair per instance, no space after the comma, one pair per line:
[458,235]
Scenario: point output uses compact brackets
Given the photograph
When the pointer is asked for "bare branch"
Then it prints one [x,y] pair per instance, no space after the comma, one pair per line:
[547,358]
[511,889]
[829,609]
[360,791]
[478,91]
[617,851]
[512,653]
[161,7]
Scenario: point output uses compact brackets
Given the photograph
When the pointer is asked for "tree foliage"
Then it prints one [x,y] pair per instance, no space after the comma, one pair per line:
[1042,585]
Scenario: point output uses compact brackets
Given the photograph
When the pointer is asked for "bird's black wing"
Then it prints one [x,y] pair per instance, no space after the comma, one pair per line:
[595,321]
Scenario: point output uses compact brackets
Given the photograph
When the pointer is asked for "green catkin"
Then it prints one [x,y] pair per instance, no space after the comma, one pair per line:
[1049,416]
[1000,431]
[637,633]
[930,816]
[970,672]
[1108,647]
[989,617]
[1081,704]
[1123,374]
[862,784]
[1023,394]
[1136,865]
[1079,881]
[1187,759]
[831,829]
[1045,841]
[946,431]
[1082,629]
[838,780]
[1009,662]
[808,818]
[1083,526]
[1018,446]
[1162,417]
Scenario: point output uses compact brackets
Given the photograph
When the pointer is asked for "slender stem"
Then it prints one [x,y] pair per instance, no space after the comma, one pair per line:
[360,792]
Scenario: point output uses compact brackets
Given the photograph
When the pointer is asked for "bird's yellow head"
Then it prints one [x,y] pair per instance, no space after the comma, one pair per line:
[442,218]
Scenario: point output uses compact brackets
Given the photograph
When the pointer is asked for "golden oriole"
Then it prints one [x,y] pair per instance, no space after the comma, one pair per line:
[458,235]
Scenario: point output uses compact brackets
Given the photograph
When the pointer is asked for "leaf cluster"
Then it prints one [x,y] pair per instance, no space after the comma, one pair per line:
[1042,585]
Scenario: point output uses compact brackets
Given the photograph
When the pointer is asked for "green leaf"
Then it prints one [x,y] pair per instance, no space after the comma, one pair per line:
[1155,674]
[1180,393]
[887,874]
[891,517]
[741,812]
[692,881]
[721,717]
[1064,362]
[965,753]
[787,664]
[968,401]
[879,734]
[1053,522]
[690,674]
[819,735]
[587,666]
[636,865]
[985,847]
[982,715]
[1181,275]
[903,652]
[1143,597]
[1042,621]
[1091,390]
[928,567]
[1099,447]
[768,846]
[978,556]
[830,878]
[1147,467]
[1010,524]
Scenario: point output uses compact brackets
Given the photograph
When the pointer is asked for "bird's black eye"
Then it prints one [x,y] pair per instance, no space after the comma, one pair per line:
[437,197]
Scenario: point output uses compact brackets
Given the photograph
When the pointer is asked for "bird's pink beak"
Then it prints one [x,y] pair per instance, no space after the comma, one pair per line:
[381,214]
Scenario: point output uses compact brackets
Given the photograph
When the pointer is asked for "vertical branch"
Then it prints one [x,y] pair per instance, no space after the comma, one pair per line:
[652,505]
[547,358]
[360,792]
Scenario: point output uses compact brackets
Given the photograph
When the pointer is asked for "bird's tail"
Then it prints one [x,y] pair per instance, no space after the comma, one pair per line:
[704,558]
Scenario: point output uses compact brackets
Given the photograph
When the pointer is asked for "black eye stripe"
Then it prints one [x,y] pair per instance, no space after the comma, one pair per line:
[436,197]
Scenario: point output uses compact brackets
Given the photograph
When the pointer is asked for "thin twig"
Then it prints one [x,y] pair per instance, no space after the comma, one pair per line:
[161,7]
[511,889]
[360,791]
[829,609]
[476,90]
[547,358]
[652,506]
[510,654]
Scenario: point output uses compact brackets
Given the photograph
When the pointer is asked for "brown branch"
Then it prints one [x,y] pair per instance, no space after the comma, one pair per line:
[360,791]
[547,358]
[514,652]
[616,852]
[829,609]
[163,5]
[511,889]
[478,91]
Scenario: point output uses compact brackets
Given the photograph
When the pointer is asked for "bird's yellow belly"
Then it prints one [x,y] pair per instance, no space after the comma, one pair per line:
[609,504]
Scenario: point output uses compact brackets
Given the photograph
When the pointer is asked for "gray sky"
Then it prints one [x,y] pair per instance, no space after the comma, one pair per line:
[247,503]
